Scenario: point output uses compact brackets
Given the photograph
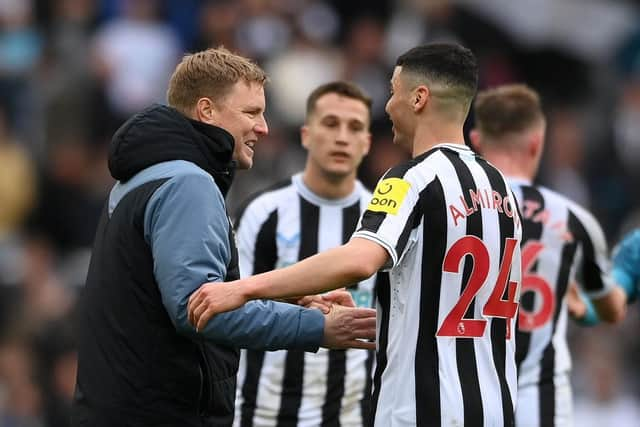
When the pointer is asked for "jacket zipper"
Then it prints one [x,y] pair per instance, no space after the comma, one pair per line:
[206,381]
[201,391]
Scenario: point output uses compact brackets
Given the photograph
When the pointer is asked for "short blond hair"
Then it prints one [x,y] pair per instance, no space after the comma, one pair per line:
[507,109]
[209,73]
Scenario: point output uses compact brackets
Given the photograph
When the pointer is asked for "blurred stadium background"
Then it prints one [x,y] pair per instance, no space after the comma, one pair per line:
[72,70]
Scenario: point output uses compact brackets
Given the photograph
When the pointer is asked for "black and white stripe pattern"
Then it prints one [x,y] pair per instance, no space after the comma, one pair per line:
[570,248]
[279,227]
[426,376]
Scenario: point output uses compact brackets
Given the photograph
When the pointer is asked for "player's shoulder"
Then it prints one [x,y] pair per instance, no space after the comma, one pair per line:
[422,164]
[553,197]
[266,200]
[585,220]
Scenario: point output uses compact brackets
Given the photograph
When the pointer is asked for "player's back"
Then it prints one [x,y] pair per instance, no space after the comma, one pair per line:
[446,351]
[562,243]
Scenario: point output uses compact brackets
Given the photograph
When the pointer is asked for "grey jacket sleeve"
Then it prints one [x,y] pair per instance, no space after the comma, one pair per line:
[187,228]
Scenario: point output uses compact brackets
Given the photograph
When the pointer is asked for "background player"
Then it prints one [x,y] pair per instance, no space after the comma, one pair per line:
[625,271]
[446,351]
[561,243]
[310,212]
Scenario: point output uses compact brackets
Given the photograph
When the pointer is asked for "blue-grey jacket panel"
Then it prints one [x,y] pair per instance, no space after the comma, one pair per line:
[187,228]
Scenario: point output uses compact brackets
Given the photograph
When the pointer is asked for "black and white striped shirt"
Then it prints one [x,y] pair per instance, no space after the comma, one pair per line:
[279,227]
[446,351]
[562,243]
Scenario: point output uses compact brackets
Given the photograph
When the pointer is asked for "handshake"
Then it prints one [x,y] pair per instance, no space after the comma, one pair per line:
[345,326]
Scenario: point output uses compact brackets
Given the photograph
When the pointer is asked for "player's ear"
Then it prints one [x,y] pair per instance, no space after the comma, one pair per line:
[420,96]
[304,136]
[536,144]
[474,138]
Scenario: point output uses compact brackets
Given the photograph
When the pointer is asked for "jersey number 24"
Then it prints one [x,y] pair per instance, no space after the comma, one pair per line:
[454,324]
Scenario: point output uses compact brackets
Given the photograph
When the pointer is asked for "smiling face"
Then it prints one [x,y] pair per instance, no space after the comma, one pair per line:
[336,135]
[399,110]
[241,113]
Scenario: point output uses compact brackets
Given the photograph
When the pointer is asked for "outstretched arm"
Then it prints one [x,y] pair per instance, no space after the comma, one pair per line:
[346,264]
[626,274]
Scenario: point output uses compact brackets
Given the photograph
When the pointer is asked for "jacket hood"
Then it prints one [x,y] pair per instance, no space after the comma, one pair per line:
[159,134]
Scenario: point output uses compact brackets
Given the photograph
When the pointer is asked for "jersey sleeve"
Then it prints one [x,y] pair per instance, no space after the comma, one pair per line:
[392,211]
[593,274]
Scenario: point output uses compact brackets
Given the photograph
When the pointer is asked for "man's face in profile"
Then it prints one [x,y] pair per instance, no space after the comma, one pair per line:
[241,113]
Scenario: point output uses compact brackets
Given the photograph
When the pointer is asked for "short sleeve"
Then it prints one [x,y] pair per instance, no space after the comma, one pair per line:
[393,210]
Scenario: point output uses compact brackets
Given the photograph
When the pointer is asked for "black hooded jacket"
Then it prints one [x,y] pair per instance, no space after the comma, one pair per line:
[134,368]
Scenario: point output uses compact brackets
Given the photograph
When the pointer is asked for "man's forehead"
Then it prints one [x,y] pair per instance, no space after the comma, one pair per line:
[244,91]
[247,86]
[341,106]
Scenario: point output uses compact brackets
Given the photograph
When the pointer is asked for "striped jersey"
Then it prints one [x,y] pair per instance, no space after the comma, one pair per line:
[279,227]
[446,350]
[562,243]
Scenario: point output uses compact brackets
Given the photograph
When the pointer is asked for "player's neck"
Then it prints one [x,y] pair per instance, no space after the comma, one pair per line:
[328,186]
[429,134]
[511,165]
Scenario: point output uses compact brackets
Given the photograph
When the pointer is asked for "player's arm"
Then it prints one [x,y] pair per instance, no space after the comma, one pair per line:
[258,251]
[625,272]
[605,300]
[352,262]
[379,242]
[611,307]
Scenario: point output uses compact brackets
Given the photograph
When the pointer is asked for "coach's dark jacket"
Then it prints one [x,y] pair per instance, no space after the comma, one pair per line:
[163,232]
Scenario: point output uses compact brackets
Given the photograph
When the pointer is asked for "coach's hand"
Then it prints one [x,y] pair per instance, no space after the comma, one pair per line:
[346,327]
[211,299]
[324,302]
[626,264]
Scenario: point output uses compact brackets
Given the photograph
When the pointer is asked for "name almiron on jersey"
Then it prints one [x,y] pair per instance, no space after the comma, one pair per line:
[390,193]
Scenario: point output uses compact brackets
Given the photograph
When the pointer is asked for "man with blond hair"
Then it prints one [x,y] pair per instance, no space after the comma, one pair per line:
[164,231]
[561,243]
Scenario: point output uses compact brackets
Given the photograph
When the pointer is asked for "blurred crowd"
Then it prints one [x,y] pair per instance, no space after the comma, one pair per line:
[71,71]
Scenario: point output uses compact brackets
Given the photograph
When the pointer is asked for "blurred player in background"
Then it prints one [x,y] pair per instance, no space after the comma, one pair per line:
[561,243]
[310,212]
[446,226]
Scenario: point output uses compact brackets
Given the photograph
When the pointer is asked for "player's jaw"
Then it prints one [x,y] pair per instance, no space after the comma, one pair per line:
[339,164]
[243,153]
[398,137]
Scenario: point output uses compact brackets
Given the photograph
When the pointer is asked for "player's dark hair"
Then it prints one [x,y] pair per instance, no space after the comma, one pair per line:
[446,64]
[506,109]
[340,87]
